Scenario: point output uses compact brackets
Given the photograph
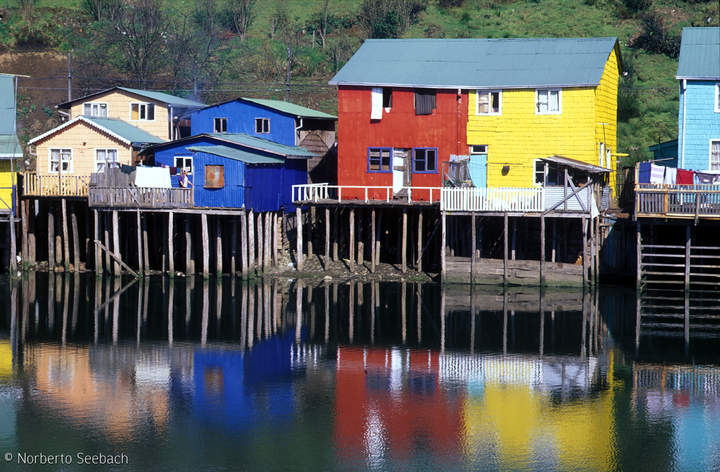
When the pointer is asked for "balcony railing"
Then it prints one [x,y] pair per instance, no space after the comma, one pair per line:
[55,186]
[140,197]
[366,193]
[491,199]
[684,201]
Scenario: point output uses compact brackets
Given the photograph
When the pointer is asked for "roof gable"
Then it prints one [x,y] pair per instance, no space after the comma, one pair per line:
[478,63]
[236,154]
[118,129]
[162,97]
[699,53]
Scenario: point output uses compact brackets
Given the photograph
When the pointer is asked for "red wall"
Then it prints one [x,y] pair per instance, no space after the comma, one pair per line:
[445,129]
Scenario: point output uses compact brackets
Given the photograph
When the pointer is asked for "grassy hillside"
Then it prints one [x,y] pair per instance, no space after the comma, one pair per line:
[255,66]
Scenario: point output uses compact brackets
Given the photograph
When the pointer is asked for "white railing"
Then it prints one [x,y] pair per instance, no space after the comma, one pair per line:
[491,199]
[339,193]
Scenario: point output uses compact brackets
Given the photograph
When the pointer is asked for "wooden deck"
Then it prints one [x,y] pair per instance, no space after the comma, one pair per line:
[55,186]
[677,201]
[140,197]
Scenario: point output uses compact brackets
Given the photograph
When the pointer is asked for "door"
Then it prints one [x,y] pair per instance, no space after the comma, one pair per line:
[401,169]
[478,166]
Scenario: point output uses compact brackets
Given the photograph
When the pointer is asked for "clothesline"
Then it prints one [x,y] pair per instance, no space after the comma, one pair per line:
[650,173]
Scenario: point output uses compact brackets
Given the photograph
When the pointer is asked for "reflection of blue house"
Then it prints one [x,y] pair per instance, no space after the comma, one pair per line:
[235,389]
[236,170]
[699,109]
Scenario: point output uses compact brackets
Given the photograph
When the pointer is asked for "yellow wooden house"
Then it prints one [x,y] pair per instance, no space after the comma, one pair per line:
[10,150]
[541,105]
[157,113]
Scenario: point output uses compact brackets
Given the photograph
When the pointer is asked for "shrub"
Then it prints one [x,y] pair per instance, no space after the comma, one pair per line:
[656,38]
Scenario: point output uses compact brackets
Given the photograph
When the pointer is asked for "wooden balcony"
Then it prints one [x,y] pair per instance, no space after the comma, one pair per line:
[55,186]
[325,193]
[140,197]
[677,201]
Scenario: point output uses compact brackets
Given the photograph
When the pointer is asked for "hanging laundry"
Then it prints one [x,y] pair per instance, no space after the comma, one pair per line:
[670,176]
[685,177]
[657,174]
[644,172]
[704,178]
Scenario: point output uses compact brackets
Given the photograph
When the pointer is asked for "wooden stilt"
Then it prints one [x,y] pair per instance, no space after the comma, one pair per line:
[251,241]
[24,230]
[403,246]
[688,234]
[268,241]
[32,226]
[244,244]
[351,249]
[443,245]
[218,246]
[171,244]
[505,248]
[97,262]
[116,242]
[233,246]
[260,241]
[638,260]
[584,250]
[145,244]
[379,237]
[418,263]
[373,241]
[596,255]
[205,251]
[360,242]
[299,235]
[554,240]
[65,236]
[473,243]
[514,239]
[106,237]
[12,264]
[51,238]
[335,241]
[138,232]
[327,236]
[311,223]
[542,250]
[76,238]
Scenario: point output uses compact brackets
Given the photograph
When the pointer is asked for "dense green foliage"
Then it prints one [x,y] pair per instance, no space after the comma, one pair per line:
[220,48]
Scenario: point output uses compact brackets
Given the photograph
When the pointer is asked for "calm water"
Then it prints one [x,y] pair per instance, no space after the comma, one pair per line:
[187,375]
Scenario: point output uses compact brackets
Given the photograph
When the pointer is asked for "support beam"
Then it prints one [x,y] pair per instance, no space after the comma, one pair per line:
[584,250]
[542,250]
[268,239]
[139,241]
[443,244]
[66,238]
[373,241]
[403,246]
[24,229]
[13,249]
[351,248]
[233,246]
[146,244]
[244,245]
[116,242]
[171,245]
[205,246]
[418,265]
[335,242]
[514,239]
[32,230]
[251,241]
[97,261]
[638,261]
[554,240]
[299,238]
[360,242]
[473,246]
[76,238]
[505,248]
[327,236]
[218,246]
[51,238]
[688,234]
[260,242]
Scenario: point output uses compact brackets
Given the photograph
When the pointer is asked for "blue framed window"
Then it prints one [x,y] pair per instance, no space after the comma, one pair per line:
[379,159]
[425,160]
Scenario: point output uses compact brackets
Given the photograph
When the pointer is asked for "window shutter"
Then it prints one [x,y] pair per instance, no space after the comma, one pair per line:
[214,176]
[376,101]
[424,102]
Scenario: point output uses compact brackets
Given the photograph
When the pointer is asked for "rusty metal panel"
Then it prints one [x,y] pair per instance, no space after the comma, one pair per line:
[214,176]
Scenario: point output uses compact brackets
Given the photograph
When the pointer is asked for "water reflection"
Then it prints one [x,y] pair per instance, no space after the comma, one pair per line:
[349,376]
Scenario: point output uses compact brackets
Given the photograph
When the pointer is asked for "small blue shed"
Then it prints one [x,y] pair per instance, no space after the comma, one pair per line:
[274,120]
[236,170]
[666,154]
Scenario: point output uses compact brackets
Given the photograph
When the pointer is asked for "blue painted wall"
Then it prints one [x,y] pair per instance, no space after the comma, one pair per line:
[702,124]
[241,119]
[270,187]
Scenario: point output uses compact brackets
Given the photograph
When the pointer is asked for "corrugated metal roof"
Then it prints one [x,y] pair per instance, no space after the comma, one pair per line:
[290,108]
[699,53]
[9,147]
[478,63]
[125,130]
[236,154]
[263,144]
[150,94]
[7,104]
[575,164]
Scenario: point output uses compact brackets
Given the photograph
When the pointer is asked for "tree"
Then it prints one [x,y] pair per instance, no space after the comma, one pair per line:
[389,18]
[100,10]
[239,16]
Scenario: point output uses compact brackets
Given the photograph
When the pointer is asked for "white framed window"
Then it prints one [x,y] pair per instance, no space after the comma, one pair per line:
[220,125]
[184,163]
[142,111]
[60,158]
[262,125]
[489,102]
[95,109]
[106,158]
[601,155]
[540,172]
[478,149]
[548,102]
[717,98]
[714,154]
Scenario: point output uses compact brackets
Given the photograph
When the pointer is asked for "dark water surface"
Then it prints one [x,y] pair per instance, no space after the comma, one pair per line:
[193,375]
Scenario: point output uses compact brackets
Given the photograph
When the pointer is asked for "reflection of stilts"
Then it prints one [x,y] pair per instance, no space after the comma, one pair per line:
[505,319]
[419,313]
[351,312]
[403,311]
[171,304]
[298,309]
[251,317]
[66,304]
[243,314]
[205,309]
[442,319]
[542,322]
[327,311]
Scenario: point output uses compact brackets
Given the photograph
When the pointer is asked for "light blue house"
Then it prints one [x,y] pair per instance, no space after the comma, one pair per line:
[699,114]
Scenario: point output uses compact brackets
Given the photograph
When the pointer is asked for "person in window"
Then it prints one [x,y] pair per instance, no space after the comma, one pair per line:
[184,180]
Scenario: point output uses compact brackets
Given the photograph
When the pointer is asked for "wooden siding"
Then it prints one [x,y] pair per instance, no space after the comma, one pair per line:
[606,112]
[445,129]
[701,125]
[119,101]
[83,140]
[7,181]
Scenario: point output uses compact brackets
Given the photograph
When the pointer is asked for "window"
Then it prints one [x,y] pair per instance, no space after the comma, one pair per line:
[95,109]
[379,159]
[478,149]
[105,158]
[183,163]
[425,160]
[425,102]
[142,111]
[547,102]
[56,157]
[387,97]
[714,155]
[220,125]
[262,125]
[488,102]
[214,176]
[540,172]
[717,98]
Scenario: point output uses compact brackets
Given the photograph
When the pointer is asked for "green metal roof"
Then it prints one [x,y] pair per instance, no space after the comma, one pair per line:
[263,144]
[9,147]
[699,53]
[290,108]
[7,104]
[178,102]
[478,63]
[236,154]
[125,130]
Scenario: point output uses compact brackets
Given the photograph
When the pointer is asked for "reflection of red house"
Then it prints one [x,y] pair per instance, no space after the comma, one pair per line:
[390,401]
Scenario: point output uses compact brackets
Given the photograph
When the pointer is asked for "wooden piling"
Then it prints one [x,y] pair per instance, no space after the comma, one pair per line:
[373,242]
[327,236]
[542,250]
[24,230]
[514,239]
[268,241]
[51,238]
[351,249]
[233,246]
[205,251]
[403,246]
[251,241]
[335,241]
[76,238]
[443,244]
[688,235]
[146,244]
[638,258]
[244,244]
[554,240]
[360,242]
[106,237]
[116,242]
[171,245]
[218,246]
[260,241]
[473,245]
[505,248]
[13,248]
[66,238]
[418,263]
[584,250]
[299,235]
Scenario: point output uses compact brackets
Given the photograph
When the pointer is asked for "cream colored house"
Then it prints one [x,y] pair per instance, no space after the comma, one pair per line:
[157,113]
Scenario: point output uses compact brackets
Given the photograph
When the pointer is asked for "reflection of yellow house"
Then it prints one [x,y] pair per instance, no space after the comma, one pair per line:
[115,402]
[6,359]
[521,424]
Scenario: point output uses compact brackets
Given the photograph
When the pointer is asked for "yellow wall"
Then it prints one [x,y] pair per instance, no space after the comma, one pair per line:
[518,135]
[83,140]
[118,103]
[7,180]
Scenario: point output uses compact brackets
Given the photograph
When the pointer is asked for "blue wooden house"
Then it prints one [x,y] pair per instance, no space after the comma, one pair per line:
[699,109]
[231,170]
